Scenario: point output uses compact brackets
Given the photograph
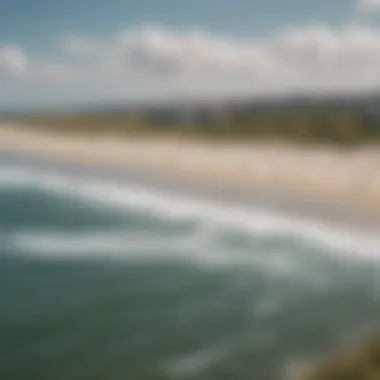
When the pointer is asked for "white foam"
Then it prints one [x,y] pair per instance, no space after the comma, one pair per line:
[189,246]
[118,244]
[167,205]
[196,363]
[112,244]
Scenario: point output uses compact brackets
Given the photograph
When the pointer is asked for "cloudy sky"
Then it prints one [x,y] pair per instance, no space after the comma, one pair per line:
[57,52]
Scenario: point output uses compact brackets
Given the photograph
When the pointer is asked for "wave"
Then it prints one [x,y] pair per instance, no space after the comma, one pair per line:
[95,243]
[209,215]
[189,247]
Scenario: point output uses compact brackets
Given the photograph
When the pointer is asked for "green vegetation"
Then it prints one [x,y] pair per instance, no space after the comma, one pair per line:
[340,126]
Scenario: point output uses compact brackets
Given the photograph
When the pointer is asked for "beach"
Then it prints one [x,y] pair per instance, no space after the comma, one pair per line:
[116,264]
[322,182]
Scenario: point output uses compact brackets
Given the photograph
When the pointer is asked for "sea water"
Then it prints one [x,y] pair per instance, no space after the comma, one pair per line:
[102,280]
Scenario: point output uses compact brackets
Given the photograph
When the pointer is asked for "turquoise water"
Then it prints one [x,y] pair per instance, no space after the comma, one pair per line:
[100,282]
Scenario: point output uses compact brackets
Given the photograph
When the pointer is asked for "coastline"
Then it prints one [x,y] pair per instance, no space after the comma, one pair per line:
[337,187]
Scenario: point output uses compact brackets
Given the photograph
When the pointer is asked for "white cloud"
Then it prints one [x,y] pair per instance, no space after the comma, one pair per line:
[12,60]
[152,61]
[369,5]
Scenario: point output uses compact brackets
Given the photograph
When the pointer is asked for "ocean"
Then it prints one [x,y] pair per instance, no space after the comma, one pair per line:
[102,279]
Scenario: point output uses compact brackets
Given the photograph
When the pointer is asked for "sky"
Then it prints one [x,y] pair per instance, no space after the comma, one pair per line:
[56,52]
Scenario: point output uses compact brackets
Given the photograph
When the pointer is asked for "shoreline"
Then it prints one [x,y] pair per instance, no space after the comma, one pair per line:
[220,172]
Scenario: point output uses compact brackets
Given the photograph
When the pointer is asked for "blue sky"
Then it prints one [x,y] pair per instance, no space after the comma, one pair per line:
[36,24]
[37,63]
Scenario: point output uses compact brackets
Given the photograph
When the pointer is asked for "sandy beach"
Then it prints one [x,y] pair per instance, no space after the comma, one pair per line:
[331,176]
